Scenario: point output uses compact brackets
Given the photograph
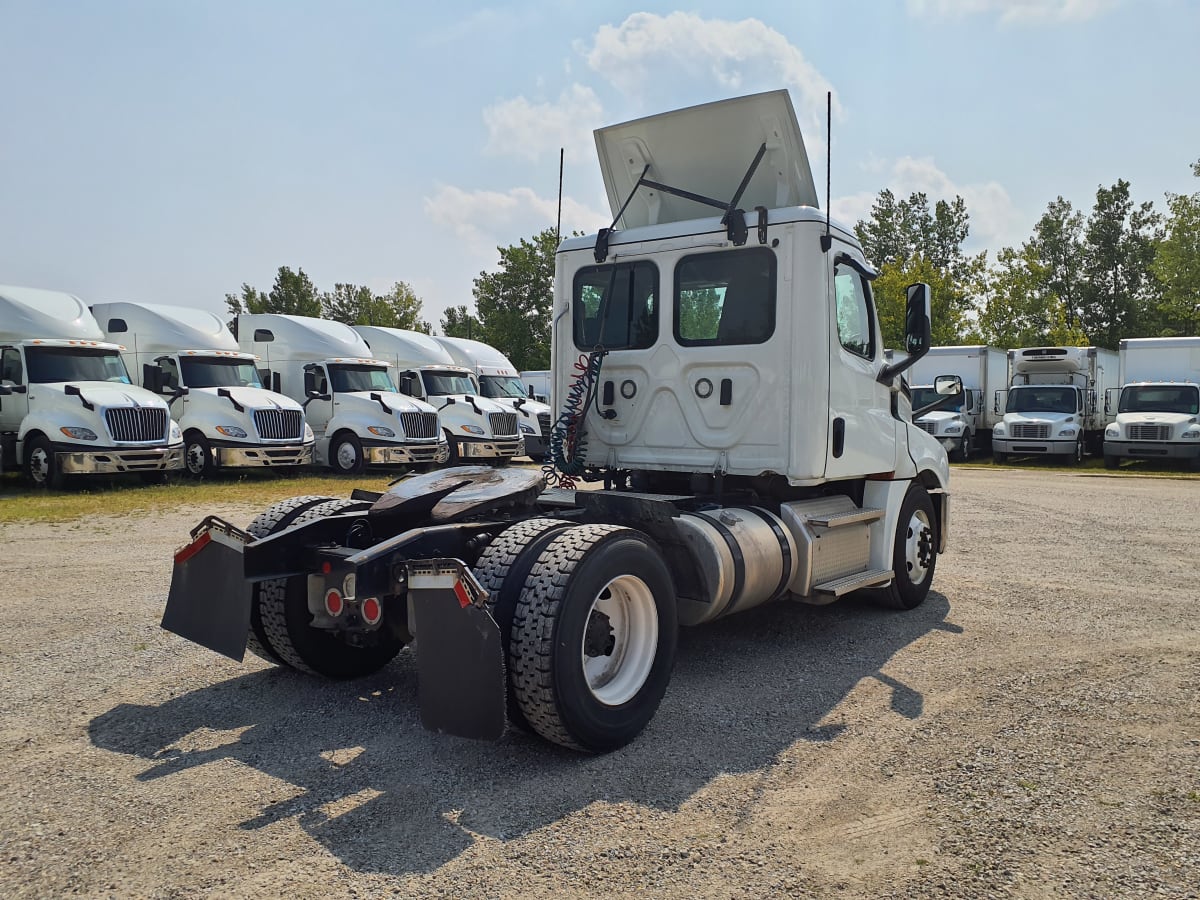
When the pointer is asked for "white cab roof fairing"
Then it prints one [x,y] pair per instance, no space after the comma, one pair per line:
[707,150]
[401,347]
[301,338]
[471,353]
[36,313]
[159,328]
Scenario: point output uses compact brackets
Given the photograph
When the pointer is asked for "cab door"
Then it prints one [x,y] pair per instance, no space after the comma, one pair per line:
[15,406]
[862,429]
[318,412]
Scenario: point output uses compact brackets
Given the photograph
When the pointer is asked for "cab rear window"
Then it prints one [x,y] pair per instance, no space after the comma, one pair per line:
[616,306]
[725,298]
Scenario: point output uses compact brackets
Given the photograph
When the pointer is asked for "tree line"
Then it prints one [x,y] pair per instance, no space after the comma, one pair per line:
[1122,270]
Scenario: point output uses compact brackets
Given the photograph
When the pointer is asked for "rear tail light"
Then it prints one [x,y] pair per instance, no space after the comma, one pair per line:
[372,611]
[334,603]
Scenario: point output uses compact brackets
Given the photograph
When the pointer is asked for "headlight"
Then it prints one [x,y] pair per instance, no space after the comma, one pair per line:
[526,428]
[1191,435]
[1112,431]
[953,428]
[176,434]
[1066,432]
[999,429]
[381,430]
[308,433]
[471,429]
[232,431]
[79,434]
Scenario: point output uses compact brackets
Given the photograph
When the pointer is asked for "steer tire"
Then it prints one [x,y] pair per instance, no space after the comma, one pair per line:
[556,621]
[41,464]
[272,519]
[286,623]
[904,592]
[502,569]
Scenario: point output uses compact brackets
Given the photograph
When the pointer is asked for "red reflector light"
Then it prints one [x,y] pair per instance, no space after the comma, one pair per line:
[333,602]
[326,568]
[371,611]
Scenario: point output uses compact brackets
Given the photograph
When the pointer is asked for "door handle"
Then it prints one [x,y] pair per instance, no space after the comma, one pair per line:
[839,437]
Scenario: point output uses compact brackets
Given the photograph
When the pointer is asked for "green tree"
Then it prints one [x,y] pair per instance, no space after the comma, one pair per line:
[513,303]
[1177,263]
[458,322]
[357,305]
[1021,308]
[292,294]
[1120,296]
[1057,245]
[948,302]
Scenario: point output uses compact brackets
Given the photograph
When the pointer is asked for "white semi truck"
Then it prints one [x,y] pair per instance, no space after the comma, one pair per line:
[500,381]
[358,417]
[966,425]
[1158,411]
[1053,405]
[750,450]
[67,403]
[476,429]
[229,420]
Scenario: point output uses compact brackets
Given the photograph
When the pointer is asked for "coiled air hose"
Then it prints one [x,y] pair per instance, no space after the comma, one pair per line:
[568,438]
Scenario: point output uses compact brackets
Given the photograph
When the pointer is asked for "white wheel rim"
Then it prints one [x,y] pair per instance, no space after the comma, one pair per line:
[918,547]
[620,640]
[195,459]
[346,457]
[39,465]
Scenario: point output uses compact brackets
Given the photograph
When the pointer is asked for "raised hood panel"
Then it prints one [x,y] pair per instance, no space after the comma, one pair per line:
[27,313]
[707,150]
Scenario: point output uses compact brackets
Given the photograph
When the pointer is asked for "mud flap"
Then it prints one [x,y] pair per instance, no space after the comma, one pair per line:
[209,602]
[460,659]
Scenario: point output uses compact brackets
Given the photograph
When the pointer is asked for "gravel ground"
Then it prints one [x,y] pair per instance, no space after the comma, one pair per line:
[1033,730]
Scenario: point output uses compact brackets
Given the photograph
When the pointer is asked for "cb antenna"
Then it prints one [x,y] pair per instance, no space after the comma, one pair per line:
[827,238]
[558,224]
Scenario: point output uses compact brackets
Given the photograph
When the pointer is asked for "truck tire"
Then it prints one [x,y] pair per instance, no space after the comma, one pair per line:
[593,637]
[41,465]
[454,459]
[286,623]
[346,453]
[963,451]
[1111,462]
[1076,458]
[502,570]
[197,455]
[270,520]
[914,551]
[999,458]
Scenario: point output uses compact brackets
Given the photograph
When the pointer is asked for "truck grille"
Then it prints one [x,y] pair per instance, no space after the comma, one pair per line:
[279,424]
[544,424]
[1149,432]
[136,424]
[503,424]
[930,427]
[419,425]
[1030,432]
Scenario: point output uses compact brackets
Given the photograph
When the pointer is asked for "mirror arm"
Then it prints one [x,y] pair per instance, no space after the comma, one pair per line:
[888,373]
[935,405]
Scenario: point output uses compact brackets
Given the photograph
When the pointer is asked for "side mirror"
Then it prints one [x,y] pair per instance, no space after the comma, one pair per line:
[531,397]
[5,390]
[407,382]
[1108,401]
[276,384]
[918,335]
[310,384]
[948,388]
[152,378]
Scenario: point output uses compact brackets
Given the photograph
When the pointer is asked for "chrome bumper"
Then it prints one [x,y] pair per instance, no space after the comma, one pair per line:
[491,449]
[264,455]
[405,454]
[1153,450]
[111,462]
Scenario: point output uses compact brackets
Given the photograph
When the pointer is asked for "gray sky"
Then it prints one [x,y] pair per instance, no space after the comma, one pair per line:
[169,151]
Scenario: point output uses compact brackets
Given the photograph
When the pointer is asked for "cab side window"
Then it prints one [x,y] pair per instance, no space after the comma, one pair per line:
[170,373]
[853,305]
[10,367]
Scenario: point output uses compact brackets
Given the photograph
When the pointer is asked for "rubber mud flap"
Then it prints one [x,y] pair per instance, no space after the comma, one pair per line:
[209,602]
[460,665]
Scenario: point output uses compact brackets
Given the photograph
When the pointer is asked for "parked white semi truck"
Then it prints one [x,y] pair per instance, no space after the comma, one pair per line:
[188,356]
[1158,411]
[476,429]
[1053,406]
[358,417]
[749,448]
[67,403]
[966,425]
[500,381]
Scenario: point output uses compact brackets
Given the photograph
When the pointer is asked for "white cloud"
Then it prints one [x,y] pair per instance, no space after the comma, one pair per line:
[649,57]
[994,220]
[1013,12]
[518,127]
[488,219]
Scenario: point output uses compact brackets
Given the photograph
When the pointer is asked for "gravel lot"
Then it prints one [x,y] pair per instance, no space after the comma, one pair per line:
[1033,730]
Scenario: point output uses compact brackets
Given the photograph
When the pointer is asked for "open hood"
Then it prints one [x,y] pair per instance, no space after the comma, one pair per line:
[707,150]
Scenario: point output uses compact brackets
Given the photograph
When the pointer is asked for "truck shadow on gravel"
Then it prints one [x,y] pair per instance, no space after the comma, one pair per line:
[384,795]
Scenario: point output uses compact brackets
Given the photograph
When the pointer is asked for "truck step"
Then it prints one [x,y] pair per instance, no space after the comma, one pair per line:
[556,498]
[841,586]
[853,517]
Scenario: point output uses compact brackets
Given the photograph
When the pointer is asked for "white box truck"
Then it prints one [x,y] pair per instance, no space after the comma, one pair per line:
[966,425]
[350,402]
[500,381]
[477,429]
[188,356]
[67,403]
[537,385]
[1053,405]
[751,452]
[1158,411]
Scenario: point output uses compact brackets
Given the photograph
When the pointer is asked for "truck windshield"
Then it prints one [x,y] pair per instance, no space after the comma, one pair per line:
[501,386]
[1041,399]
[923,396]
[209,372]
[349,379]
[50,365]
[438,384]
[1161,398]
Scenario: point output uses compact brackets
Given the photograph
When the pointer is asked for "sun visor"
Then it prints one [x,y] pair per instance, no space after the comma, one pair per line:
[707,150]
